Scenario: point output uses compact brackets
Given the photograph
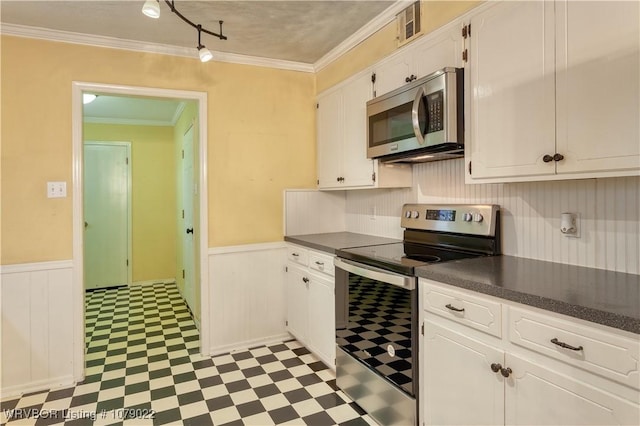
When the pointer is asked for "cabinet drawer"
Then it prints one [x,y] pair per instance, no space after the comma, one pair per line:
[607,354]
[476,312]
[298,255]
[321,263]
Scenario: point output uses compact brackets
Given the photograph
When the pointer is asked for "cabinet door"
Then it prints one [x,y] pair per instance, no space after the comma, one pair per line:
[297,297]
[598,85]
[536,395]
[392,72]
[321,335]
[459,385]
[357,168]
[434,53]
[511,81]
[330,125]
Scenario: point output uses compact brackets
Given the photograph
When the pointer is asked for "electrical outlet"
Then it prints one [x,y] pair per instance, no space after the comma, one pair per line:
[56,189]
[372,212]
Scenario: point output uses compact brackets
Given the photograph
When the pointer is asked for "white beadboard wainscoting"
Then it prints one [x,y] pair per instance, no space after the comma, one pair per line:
[609,214]
[309,211]
[246,296]
[37,326]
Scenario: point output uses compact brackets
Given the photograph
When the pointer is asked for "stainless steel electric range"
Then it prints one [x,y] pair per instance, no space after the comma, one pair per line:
[377,303]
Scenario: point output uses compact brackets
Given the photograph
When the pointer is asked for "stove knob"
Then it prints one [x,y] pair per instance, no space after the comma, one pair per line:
[477,217]
[407,214]
[467,217]
[415,214]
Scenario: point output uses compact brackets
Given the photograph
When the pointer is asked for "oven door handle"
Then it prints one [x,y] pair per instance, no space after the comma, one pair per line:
[403,281]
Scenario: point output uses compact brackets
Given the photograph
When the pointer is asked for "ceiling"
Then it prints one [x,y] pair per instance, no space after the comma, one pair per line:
[133,110]
[299,31]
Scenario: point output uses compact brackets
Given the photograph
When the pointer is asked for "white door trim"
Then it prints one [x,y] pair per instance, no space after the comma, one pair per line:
[129,200]
[77,88]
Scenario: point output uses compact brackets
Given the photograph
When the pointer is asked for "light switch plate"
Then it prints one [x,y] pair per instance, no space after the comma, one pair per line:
[56,189]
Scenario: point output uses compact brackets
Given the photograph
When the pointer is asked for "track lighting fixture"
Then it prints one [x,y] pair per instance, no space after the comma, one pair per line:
[151,8]
[87,98]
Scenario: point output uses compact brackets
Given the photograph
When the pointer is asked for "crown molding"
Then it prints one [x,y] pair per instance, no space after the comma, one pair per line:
[178,113]
[388,15]
[140,46]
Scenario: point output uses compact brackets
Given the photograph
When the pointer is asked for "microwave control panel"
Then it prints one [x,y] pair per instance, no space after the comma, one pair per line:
[435,111]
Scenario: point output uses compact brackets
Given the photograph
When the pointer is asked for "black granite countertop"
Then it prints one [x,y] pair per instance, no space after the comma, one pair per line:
[596,295]
[332,241]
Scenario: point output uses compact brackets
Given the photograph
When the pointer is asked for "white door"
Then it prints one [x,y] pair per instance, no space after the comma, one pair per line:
[459,385]
[297,302]
[188,240]
[106,214]
[321,318]
[598,85]
[357,168]
[535,395]
[330,137]
[511,75]
[392,73]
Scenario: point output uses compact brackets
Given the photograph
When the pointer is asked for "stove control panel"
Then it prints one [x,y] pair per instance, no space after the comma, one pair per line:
[474,219]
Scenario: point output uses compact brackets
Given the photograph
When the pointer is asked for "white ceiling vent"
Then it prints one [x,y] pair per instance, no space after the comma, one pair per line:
[409,23]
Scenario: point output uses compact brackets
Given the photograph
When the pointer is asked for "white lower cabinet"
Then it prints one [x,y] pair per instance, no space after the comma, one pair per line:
[471,375]
[310,301]
[458,386]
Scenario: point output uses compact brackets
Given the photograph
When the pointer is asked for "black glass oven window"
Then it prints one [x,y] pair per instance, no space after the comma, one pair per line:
[391,125]
[379,318]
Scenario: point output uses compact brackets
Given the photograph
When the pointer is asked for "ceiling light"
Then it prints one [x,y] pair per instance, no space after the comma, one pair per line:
[205,54]
[151,8]
[87,98]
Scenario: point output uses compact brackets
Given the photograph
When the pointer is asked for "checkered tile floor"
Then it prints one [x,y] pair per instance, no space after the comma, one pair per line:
[143,367]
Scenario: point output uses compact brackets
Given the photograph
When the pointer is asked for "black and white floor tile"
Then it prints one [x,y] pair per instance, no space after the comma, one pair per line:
[144,368]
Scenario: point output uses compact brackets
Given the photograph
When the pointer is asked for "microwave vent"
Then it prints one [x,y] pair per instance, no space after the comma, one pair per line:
[409,23]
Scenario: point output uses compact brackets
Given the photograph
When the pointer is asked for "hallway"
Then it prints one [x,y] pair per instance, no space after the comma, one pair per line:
[144,367]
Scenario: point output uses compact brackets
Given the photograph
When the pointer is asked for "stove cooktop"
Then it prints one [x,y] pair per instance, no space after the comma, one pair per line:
[402,258]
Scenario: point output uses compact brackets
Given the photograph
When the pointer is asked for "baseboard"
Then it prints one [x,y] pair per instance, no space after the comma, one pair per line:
[41,385]
[248,344]
[152,282]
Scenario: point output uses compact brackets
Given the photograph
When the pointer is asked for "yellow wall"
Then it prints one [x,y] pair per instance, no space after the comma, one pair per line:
[261,139]
[435,13]
[153,198]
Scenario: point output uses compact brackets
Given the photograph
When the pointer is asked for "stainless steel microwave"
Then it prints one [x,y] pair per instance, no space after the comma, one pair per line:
[422,121]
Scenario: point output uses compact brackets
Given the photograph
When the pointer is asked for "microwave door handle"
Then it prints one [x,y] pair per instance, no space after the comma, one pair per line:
[415,120]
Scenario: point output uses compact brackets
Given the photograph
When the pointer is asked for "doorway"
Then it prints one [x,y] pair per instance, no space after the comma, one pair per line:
[198,226]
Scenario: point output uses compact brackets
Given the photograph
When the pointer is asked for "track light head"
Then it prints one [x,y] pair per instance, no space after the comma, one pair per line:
[87,98]
[205,54]
[151,8]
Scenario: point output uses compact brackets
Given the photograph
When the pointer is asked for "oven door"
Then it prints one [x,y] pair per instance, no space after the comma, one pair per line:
[377,320]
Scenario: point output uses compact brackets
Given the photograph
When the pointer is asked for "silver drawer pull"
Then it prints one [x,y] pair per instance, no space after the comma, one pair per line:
[319,263]
[453,308]
[565,345]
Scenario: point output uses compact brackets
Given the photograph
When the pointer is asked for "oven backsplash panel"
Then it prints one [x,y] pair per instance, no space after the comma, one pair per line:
[609,214]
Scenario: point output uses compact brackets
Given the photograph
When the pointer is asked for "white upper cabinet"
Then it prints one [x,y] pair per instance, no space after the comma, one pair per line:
[553,91]
[421,58]
[511,88]
[598,83]
[342,141]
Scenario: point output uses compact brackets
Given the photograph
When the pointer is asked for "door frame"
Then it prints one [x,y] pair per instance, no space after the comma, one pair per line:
[77,88]
[127,145]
